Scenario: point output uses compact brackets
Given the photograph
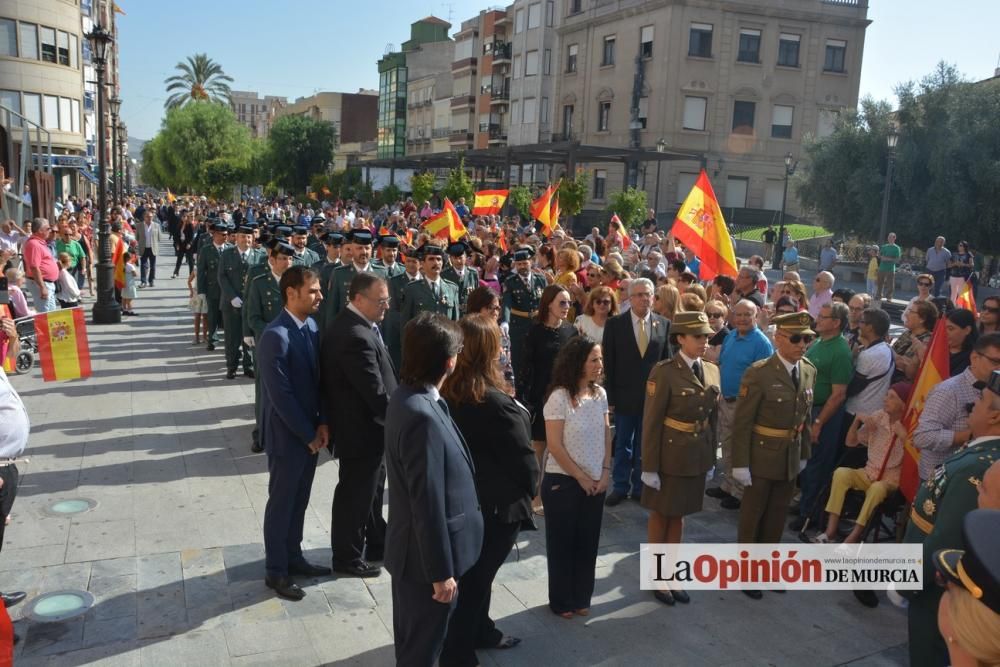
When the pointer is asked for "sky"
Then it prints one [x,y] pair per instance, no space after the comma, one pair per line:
[299,47]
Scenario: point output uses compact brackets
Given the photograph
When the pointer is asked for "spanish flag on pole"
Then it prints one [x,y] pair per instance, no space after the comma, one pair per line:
[541,209]
[699,225]
[8,364]
[447,224]
[965,298]
[118,258]
[170,196]
[489,202]
[62,344]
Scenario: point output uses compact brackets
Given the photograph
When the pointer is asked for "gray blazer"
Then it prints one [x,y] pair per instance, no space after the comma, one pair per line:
[153,242]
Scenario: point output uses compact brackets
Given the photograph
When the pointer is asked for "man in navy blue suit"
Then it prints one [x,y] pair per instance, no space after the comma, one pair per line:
[435,531]
[292,426]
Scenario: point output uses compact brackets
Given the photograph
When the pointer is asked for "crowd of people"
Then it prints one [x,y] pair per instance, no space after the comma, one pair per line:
[504,376]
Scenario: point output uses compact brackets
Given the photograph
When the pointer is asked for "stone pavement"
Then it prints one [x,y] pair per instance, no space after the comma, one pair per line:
[172,552]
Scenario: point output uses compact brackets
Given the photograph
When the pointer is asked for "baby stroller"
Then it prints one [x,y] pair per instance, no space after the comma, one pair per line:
[29,344]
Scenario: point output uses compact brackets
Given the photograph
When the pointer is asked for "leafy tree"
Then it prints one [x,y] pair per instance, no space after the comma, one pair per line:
[458,184]
[573,193]
[300,147]
[422,186]
[391,194]
[630,205]
[201,79]
[520,198]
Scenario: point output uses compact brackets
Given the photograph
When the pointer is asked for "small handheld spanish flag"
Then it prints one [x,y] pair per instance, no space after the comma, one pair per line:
[63,349]
[8,364]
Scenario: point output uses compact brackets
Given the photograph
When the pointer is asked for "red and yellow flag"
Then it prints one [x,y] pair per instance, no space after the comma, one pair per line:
[933,370]
[554,211]
[489,202]
[965,298]
[447,224]
[541,209]
[118,257]
[626,239]
[63,349]
[170,196]
[8,364]
[699,225]
[502,241]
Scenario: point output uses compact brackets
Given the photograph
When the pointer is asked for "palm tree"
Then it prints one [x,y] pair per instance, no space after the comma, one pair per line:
[201,79]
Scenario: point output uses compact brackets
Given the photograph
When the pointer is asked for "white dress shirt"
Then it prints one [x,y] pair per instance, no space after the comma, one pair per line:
[649,325]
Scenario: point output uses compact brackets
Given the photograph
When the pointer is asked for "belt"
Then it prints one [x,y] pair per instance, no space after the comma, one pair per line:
[685,427]
[523,313]
[920,522]
[775,432]
[729,400]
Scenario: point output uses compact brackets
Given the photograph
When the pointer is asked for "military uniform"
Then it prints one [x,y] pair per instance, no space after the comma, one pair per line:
[340,282]
[392,331]
[233,269]
[307,258]
[209,258]
[469,278]
[521,297]
[418,297]
[936,522]
[677,434]
[262,304]
[771,437]
[390,271]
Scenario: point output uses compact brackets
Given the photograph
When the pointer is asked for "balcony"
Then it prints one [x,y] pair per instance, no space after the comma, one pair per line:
[441,132]
[463,101]
[460,135]
[501,53]
[463,65]
[564,136]
[500,96]
[497,134]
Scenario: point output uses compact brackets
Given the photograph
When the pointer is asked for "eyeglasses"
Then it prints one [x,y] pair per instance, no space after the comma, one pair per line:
[563,303]
[992,360]
[714,315]
[992,310]
[603,302]
[923,283]
[383,303]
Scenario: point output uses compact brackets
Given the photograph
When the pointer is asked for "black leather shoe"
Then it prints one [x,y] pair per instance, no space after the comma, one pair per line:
[796,524]
[307,569]
[285,587]
[230,375]
[681,596]
[716,492]
[665,597]
[867,598]
[358,568]
[11,599]
[614,498]
[256,447]
[249,374]
[211,347]
[753,594]
[730,503]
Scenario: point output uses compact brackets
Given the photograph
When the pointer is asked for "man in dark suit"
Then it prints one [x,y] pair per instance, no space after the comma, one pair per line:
[358,378]
[292,426]
[435,531]
[633,343]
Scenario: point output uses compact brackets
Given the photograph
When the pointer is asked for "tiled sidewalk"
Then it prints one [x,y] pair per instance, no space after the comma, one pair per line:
[173,552]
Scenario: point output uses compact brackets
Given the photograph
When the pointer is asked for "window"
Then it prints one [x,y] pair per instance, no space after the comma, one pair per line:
[544,111]
[65,123]
[608,54]
[547,62]
[8,38]
[29,40]
[643,111]
[646,41]
[826,123]
[575,6]
[781,121]
[530,109]
[463,50]
[603,116]
[774,191]
[736,191]
[835,51]
[531,63]
[51,109]
[571,52]
[550,10]
[517,67]
[700,43]
[33,108]
[48,36]
[12,100]
[600,182]
[567,121]
[694,113]
[749,51]
[515,111]
[74,50]
[534,15]
[685,181]
[63,48]
[743,113]
[788,50]
[519,21]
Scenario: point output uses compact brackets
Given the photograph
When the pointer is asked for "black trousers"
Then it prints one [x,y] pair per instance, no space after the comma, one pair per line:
[181,256]
[357,509]
[471,626]
[8,492]
[147,266]
[288,489]
[419,623]
[572,534]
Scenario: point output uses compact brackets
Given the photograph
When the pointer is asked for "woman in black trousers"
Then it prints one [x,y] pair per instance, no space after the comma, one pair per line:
[184,244]
[497,430]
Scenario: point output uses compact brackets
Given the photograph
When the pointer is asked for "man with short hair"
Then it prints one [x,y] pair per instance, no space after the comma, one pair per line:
[822,292]
[872,368]
[746,286]
[234,264]
[392,329]
[433,293]
[388,249]
[522,293]
[40,267]
[147,238]
[303,255]
[889,256]
[937,264]
[856,306]
[457,271]
[207,279]
[360,243]
[828,256]
[769,236]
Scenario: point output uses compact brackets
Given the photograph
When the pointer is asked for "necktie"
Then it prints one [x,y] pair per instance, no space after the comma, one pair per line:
[378,334]
[444,406]
[434,290]
[307,335]
[643,338]
[795,376]
[699,372]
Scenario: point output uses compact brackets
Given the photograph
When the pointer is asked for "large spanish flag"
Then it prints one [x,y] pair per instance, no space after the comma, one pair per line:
[118,258]
[541,209]
[933,370]
[447,224]
[965,298]
[699,225]
[489,202]
[62,344]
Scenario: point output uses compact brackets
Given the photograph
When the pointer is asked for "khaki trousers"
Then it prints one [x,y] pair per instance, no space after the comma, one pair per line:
[845,479]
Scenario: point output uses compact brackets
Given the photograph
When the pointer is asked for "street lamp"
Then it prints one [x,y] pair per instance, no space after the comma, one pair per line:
[661,147]
[891,140]
[789,170]
[106,309]
[122,161]
[114,104]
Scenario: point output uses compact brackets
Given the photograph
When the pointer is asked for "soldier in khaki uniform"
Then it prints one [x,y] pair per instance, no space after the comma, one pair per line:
[771,441]
[678,446]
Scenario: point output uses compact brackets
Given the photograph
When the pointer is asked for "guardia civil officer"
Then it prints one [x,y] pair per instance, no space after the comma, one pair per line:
[458,272]
[433,293]
[388,249]
[522,292]
[207,279]
[303,255]
[360,242]
[392,331]
[233,267]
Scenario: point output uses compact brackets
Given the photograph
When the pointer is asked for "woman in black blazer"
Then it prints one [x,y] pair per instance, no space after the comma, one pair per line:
[497,430]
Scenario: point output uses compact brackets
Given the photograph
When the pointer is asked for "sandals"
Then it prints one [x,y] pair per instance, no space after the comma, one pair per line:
[820,538]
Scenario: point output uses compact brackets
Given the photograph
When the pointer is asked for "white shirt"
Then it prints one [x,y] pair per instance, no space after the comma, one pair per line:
[649,325]
[687,360]
[299,323]
[871,362]
[435,285]
[14,422]
[787,364]
[583,430]
[357,312]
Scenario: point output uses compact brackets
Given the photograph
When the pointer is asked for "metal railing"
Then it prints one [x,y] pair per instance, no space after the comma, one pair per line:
[18,130]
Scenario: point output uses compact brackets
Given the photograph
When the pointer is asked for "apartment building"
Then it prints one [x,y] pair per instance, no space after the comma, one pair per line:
[353,116]
[255,112]
[428,113]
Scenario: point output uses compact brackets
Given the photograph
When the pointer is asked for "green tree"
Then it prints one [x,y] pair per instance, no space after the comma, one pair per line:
[201,79]
[300,147]
[520,197]
[391,194]
[458,184]
[630,205]
[573,193]
[422,186]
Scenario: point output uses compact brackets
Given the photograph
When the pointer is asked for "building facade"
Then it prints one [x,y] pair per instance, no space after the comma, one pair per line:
[255,112]
[353,116]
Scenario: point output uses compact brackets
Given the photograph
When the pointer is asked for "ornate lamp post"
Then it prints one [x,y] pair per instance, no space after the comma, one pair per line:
[789,170]
[891,140]
[122,161]
[661,147]
[106,309]
[114,105]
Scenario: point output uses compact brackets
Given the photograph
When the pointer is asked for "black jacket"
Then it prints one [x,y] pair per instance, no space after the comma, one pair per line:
[624,370]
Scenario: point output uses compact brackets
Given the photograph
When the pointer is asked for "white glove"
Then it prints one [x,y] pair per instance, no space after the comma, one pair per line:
[652,480]
[202,295]
[237,302]
[742,475]
[802,464]
[248,341]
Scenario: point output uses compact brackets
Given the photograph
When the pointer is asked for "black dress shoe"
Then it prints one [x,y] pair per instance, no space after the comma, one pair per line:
[730,503]
[716,492]
[665,597]
[249,374]
[307,569]
[230,375]
[867,598]
[614,498]
[753,594]
[681,596]
[358,568]
[211,347]
[256,447]
[796,524]
[285,587]
[11,599]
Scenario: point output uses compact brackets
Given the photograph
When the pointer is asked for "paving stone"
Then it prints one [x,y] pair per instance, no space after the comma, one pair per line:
[107,539]
[52,638]
[251,638]
[293,657]
[113,596]
[111,630]
[205,648]
[347,594]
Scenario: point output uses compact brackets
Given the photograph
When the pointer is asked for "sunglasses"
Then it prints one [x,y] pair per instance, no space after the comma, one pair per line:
[923,283]
[714,315]
[795,339]
[603,302]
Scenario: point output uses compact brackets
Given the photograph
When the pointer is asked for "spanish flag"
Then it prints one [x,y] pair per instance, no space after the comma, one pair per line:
[626,238]
[541,209]
[8,364]
[489,202]
[935,369]
[965,298]
[62,344]
[699,225]
[502,241]
[447,224]
[170,196]
[118,257]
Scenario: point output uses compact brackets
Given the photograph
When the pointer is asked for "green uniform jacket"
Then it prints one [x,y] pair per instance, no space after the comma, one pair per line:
[521,295]
[674,392]
[340,281]
[467,282]
[392,332]
[316,245]
[768,398]
[390,271]
[207,279]
[233,271]
[261,306]
[307,259]
[417,297]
